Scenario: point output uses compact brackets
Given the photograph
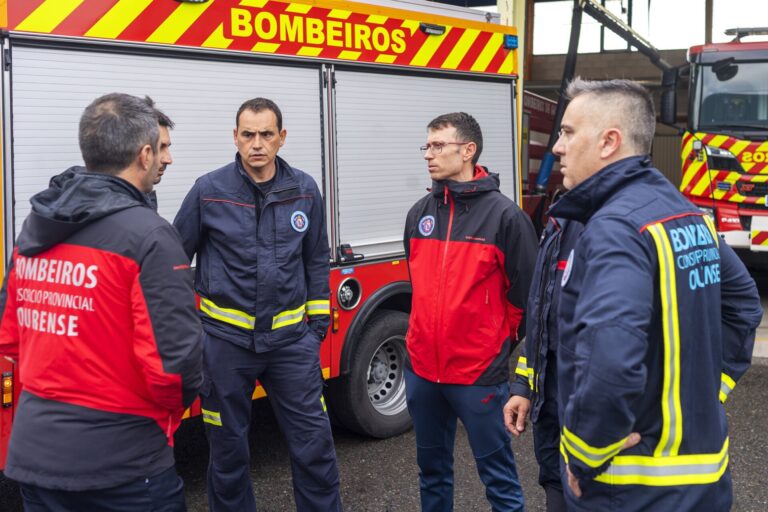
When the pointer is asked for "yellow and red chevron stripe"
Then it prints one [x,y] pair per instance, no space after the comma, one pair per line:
[325,29]
[700,181]
[760,238]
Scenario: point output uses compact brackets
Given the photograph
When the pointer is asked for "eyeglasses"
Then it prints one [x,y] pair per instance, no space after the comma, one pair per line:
[437,147]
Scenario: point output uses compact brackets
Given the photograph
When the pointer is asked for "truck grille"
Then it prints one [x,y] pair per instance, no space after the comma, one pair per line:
[751,189]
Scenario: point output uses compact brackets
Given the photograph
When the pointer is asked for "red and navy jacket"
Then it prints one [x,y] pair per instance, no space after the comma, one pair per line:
[657,323]
[470,253]
[99,313]
[541,329]
[263,267]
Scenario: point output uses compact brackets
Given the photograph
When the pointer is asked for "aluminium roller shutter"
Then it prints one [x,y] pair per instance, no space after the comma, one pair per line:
[381,122]
[51,87]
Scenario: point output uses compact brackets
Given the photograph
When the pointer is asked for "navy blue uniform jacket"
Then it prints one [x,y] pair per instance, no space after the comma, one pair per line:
[657,323]
[258,272]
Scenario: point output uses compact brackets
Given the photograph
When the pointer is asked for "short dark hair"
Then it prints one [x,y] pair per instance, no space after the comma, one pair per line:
[467,129]
[113,129]
[162,118]
[259,105]
[628,100]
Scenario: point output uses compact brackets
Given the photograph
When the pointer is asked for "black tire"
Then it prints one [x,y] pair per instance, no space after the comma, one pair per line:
[370,398]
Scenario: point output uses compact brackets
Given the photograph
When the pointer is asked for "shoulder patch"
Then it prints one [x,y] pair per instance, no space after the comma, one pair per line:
[427,225]
[299,221]
[568,269]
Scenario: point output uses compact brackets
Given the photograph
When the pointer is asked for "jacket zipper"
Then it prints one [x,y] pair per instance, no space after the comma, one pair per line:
[554,243]
[447,199]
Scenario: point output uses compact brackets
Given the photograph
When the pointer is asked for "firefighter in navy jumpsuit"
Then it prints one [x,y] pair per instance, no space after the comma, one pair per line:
[257,226]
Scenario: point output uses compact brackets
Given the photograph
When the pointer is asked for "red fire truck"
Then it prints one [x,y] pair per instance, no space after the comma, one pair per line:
[538,121]
[725,146]
[357,83]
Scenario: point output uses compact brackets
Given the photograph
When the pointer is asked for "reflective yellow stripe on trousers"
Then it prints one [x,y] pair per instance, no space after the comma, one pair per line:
[227,315]
[672,416]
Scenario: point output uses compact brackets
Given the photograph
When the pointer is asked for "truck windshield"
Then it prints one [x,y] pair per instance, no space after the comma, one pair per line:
[731,96]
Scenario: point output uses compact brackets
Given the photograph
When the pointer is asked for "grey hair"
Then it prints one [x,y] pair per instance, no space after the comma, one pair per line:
[113,129]
[162,118]
[628,101]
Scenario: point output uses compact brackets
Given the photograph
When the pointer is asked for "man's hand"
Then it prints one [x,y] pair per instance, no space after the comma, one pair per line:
[573,482]
[514,414]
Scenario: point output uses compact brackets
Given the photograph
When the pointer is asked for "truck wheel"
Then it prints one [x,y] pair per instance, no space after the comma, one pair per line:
[370,399]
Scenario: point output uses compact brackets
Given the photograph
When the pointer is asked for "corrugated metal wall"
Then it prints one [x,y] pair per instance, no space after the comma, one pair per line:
[666,156]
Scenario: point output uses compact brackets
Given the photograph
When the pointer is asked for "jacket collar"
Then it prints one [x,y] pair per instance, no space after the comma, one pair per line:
[482,182]
[581,202]
[284,179]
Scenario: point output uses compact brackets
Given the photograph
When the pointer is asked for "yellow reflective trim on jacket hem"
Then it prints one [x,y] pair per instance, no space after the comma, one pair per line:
[227,315]
[589,455]
[693,469]
[671,409]
[290,317]
[318,307]
[726,386]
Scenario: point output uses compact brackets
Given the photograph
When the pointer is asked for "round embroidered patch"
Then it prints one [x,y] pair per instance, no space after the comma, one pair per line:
[568,269]
[299,221]
[427,225]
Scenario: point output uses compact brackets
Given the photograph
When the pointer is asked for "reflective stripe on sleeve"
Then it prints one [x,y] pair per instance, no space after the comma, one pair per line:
[318,307]
[726,386]
[522,367]
[214,418]
[227,315]
[672,416]
[290,317]
[666,471]
[523,370]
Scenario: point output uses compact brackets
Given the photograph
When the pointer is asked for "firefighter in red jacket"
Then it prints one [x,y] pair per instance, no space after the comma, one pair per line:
[470,254]
[99,313]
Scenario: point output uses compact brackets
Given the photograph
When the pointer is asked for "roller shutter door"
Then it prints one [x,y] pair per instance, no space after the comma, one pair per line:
[51,87]
[381,122]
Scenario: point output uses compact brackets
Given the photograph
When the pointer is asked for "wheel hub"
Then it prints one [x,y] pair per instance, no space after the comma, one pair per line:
[386,386]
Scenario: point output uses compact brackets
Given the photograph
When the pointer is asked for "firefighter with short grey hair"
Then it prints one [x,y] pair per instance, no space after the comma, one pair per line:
[657,319]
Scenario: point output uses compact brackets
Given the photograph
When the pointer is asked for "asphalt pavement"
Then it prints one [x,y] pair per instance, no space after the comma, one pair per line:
[382,476]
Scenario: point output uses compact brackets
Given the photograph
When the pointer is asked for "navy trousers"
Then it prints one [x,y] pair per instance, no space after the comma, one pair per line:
[546,440]
[435,409]
[292,378]
[160,493]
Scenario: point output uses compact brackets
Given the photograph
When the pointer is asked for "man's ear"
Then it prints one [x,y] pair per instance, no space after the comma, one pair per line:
[145,157]
[610,142]
[469,151]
